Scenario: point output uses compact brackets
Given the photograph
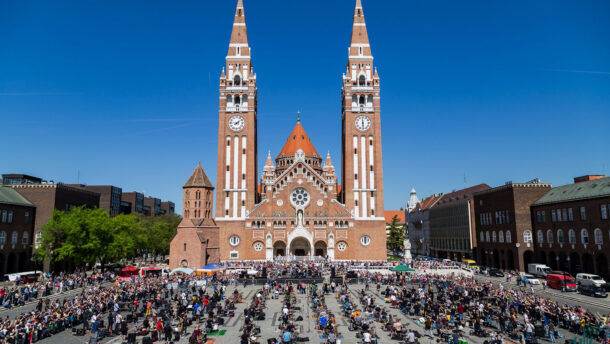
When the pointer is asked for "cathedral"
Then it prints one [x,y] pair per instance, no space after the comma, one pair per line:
[300,208]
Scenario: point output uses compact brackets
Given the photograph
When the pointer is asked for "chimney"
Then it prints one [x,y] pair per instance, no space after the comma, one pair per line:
[588,177]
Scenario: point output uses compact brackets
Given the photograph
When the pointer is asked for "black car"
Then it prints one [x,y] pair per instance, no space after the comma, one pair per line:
[606,286]
[495,273]
[592,290]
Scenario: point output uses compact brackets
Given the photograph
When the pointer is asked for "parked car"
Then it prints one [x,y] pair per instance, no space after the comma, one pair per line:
[589,279]
[559,272]
[496,273]
[539,270]
[557,281]
[592,290]
[531,279]
[606,286]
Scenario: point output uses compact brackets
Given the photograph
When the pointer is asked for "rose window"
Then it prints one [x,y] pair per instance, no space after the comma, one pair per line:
[258,246]
[299,197]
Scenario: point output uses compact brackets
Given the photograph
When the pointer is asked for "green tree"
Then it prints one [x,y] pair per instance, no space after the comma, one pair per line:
[128,237]
[158,232]
[81,235]
[396,235]
[89,236]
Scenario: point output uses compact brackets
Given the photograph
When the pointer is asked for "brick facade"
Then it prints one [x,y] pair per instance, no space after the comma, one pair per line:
[586,250]
[502,216]
[16,237]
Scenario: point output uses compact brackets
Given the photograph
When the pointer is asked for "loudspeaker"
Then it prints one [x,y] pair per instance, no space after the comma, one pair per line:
[332,272]
[264,272]
[147,340]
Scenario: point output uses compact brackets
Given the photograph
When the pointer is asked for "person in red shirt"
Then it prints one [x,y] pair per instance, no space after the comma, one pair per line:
[460,309]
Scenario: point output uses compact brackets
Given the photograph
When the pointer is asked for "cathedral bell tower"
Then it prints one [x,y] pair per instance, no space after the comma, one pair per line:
[236,183]
[362,171]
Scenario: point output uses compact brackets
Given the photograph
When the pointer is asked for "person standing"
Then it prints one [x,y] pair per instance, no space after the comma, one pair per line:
[551,329]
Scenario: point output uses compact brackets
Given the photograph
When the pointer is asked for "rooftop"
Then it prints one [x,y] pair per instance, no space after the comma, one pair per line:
[573,192]
[198,179]
[10,196]
[389,214]
[298,139]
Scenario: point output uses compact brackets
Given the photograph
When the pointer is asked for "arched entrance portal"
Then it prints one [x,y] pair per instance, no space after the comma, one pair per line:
[299,247]
[602,266]
[587,263]
[528,258]
[279,249]
[320,249]
[510,260]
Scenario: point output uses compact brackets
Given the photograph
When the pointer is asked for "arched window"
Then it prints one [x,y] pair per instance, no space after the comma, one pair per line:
[572,236]
[361,102]
[560,238]
[2,238]
[584,236]
[237,100]
[549,236]
[598,237]
[361,80]
[236,80]
[501,236]
[482,238]
[493,236]
[487,236]
[14,238]
[509,238]
[540,237]
[527,236]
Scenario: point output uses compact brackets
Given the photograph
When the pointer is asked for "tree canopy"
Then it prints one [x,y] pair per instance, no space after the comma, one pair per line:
[396,235]
[88,236]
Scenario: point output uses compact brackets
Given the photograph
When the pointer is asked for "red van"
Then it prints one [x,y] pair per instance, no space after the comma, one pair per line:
[557,281]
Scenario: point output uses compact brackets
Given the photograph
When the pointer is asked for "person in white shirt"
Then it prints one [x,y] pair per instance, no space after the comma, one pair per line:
[366,337]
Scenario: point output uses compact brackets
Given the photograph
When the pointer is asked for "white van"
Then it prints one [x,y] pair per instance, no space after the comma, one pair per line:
[589,279]
[539,270]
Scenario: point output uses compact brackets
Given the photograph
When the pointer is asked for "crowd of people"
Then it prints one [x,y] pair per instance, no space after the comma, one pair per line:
[445,308]
[22,292]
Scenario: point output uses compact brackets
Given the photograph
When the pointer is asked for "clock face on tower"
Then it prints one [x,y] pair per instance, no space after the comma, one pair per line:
[236,123]
[363,123]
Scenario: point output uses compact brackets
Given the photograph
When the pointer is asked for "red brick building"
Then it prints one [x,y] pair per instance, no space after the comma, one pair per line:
[503,224]
[50,196]
[300,209]
[571,226]
[17,216]
[196,242]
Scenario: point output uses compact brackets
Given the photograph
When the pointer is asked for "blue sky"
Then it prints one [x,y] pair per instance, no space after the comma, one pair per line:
[126,91]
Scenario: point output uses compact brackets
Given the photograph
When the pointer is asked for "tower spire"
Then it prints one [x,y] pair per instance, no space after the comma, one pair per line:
[238,45]
[359,45]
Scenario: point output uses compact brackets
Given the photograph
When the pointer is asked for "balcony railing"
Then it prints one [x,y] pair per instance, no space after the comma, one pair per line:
[362,109]
[362,88]
[237,88]
[237,108]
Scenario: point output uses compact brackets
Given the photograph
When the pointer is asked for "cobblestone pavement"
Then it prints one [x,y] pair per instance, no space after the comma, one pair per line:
[269,326]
